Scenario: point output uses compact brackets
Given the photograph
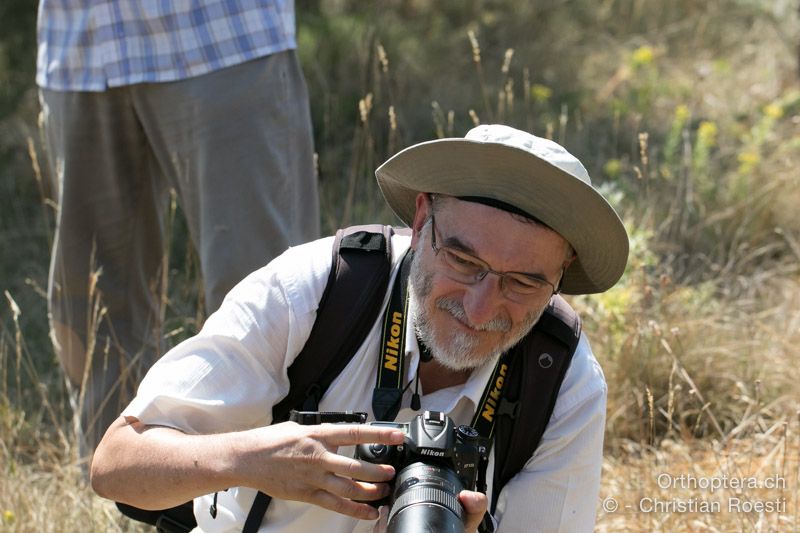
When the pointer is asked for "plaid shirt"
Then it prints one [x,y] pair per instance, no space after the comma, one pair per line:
[91,45]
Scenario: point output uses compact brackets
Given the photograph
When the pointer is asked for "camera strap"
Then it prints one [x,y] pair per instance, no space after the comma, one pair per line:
[388,393]
[483,422]
[491,403]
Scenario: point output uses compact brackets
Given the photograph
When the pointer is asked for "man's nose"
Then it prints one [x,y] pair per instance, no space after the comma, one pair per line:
[483,300]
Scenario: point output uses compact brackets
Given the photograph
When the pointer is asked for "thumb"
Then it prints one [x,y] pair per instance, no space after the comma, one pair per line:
[380,525]
[475,505]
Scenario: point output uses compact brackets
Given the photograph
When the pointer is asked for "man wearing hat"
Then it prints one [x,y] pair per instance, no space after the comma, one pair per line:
[501,221]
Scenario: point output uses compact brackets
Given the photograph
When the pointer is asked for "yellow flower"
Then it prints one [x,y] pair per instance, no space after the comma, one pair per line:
[773,111]
[681,114]
[613,168]
[748,161]
[707,133]
[642,56]
[8,516]
[540,93]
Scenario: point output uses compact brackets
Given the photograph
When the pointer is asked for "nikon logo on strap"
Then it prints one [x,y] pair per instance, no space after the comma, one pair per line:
[388,393]
[391,348]
[491,401]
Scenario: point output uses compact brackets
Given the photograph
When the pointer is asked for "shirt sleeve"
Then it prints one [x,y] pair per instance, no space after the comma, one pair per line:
[558,488]
[228,376]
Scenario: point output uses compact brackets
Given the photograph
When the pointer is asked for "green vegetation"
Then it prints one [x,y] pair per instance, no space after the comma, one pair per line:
[687,114]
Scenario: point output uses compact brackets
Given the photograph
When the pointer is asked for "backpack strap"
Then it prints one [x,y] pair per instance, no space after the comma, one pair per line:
[534,379]
[356,287]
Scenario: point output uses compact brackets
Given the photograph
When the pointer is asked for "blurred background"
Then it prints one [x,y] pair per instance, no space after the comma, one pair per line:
[687,115]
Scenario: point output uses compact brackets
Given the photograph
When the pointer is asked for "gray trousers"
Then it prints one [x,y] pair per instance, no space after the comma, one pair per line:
[235,145]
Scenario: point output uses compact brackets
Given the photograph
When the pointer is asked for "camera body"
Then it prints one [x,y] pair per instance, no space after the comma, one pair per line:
[436,461]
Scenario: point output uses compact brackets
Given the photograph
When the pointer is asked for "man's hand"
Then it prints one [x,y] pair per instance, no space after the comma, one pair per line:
[295,462]
[154,467]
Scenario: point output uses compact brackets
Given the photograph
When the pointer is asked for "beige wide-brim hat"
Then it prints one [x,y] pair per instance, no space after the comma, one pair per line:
[532,174]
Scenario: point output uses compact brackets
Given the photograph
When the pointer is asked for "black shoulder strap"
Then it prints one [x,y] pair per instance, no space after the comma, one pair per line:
[360,271]
[352,299]
[532,383]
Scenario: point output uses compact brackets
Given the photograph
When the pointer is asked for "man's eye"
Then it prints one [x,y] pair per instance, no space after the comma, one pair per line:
[526,284]
[462,262]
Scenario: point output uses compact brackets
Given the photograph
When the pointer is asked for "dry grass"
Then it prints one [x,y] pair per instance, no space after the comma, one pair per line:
[703,391]
[53,496]
[702,485]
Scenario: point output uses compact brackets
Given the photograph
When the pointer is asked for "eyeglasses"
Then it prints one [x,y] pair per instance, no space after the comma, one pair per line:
[468,269]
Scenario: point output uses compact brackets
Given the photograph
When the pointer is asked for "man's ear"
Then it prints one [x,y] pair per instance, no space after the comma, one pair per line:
[571,259]
[423,206]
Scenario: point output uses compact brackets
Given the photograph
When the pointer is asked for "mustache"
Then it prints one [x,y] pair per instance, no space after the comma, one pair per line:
[456,309]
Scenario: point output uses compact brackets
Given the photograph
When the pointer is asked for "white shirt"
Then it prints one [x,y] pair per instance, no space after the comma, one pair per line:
[230,375]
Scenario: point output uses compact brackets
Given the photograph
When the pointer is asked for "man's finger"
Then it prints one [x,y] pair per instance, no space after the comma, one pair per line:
[354,490]
[355,469]
[344,506]
[352,434]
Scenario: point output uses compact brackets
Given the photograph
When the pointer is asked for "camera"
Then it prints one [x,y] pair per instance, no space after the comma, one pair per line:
[436,461]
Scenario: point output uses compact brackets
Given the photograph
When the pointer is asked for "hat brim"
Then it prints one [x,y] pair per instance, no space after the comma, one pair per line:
[573,208]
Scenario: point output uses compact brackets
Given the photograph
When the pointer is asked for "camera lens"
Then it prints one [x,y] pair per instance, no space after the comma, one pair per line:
[425,500]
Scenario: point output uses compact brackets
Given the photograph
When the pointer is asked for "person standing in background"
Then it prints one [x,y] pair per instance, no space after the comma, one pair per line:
[203,96]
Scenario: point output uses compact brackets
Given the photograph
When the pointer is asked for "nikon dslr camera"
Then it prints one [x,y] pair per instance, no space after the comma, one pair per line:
[436,461]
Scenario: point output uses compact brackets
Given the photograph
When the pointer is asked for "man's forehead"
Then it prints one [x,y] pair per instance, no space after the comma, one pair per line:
[460,208]
[469,224]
